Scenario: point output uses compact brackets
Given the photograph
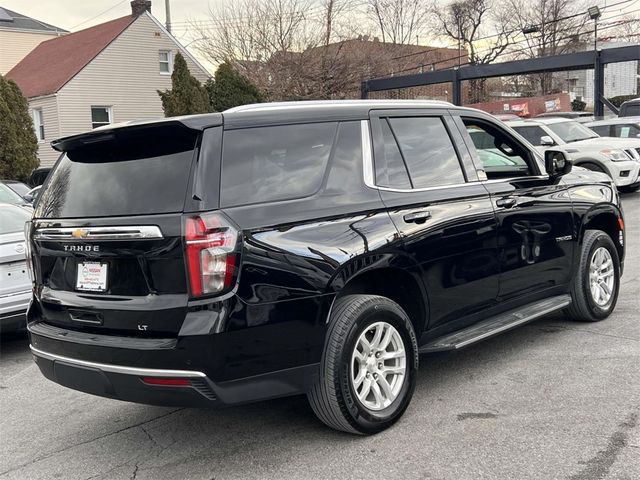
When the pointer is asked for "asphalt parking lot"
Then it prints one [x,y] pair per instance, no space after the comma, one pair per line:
[551,400]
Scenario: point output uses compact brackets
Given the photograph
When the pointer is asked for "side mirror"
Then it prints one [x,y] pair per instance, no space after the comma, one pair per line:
[556,163]
[546,141]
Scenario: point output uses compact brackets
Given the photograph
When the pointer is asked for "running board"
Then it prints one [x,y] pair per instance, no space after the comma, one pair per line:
[495,325]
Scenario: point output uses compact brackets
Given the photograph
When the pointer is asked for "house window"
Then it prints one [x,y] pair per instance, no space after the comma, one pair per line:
[166,64]
[38,124]
[100,116]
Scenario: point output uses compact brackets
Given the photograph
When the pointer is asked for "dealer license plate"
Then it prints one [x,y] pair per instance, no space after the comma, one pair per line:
[92,276]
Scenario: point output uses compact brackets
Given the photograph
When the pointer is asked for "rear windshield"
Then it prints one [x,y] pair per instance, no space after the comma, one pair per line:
[267,164]
[139,172]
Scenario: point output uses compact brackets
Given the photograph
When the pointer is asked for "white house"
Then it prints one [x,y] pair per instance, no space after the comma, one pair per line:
[104,74]
[19,35]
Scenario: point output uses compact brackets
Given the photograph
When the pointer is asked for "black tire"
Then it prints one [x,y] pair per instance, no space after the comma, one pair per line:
[333,398]
[584,308]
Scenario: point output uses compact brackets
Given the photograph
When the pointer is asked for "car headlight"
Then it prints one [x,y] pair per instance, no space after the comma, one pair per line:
[615,155]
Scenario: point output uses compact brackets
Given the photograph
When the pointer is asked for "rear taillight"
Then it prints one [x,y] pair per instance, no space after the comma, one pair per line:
[212,253]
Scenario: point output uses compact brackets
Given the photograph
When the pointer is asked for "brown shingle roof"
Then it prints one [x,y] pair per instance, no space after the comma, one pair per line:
[53,63]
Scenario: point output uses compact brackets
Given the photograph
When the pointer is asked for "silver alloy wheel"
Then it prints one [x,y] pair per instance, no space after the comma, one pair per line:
[378,366]
[601,276]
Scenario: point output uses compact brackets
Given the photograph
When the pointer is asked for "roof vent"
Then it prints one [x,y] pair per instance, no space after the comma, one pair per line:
[138,7]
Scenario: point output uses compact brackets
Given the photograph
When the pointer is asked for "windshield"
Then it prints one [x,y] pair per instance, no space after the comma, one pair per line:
[571,131]
[19,188]
[9,196]
[12,218]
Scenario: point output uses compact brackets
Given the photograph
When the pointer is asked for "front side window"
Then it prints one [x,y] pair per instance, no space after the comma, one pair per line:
[391,171]
[268,164]
[38,124]
[501,156]
[165,61]
[100,116]
[427,150]
[416,152]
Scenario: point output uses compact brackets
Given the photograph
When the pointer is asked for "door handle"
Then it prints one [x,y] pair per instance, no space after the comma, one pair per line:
[506,202]
[417,217]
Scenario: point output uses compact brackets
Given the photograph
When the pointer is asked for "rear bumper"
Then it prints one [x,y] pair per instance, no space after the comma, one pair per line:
[13,310]
[125,383]
[72,363]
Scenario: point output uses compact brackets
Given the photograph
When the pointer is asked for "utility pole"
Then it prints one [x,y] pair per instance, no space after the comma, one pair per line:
[167,15]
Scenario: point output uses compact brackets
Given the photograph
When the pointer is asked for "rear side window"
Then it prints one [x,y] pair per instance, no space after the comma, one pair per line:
[602,130]
[532,133]
[627,131]
[267,164]
[131,172]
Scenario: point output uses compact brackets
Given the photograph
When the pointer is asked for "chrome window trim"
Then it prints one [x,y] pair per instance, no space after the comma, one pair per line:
[145,232]
[141,372]
[367,155]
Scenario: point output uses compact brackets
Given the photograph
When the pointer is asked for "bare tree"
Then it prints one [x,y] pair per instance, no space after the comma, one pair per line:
[627,29]
[467,22]
[555,27]
[398,21]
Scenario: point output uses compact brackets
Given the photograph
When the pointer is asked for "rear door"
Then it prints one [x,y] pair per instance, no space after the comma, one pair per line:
[446,221]
[107,233]
[535,216]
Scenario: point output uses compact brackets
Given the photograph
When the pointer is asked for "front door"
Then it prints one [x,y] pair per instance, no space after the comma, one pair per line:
[534,214]
[447,223]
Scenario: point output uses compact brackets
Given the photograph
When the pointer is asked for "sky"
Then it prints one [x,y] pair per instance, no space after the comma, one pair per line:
[78,14]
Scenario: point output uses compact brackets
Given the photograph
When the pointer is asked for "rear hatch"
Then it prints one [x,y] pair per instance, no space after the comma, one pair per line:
[107,232]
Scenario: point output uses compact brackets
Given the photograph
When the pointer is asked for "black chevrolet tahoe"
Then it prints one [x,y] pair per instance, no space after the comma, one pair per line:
[306,248]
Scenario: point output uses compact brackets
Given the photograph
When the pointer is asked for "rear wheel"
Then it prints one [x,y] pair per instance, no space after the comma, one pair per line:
[369,365]
[597,282]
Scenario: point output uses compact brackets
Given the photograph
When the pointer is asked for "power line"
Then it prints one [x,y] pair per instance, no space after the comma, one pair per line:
[507,33]
[98,15]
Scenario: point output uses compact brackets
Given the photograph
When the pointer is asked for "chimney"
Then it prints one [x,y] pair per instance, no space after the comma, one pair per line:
[138,7]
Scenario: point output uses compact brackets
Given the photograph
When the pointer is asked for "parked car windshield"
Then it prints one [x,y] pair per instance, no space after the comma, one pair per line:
[19,187]
[12,218]
[9,196]
[571,131]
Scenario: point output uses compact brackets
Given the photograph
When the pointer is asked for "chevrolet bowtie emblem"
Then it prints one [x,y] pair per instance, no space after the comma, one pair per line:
[80,233]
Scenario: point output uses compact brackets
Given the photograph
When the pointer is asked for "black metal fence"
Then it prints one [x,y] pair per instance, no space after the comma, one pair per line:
[591,59]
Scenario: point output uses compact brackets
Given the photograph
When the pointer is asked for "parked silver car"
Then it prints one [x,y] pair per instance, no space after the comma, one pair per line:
[15,285]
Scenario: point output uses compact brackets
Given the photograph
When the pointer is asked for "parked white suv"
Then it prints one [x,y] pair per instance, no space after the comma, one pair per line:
[617,157]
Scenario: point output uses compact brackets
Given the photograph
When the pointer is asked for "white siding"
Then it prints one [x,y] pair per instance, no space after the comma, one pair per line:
[124,76]
[49,106]
[14,46]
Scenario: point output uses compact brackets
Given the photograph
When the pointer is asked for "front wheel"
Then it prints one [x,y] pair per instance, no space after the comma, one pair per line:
[369,365]
[596,283]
